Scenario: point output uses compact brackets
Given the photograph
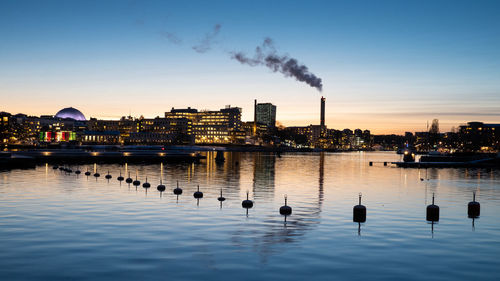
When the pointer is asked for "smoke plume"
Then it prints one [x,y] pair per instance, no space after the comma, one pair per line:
[266,55]
[206,42]
[171,37]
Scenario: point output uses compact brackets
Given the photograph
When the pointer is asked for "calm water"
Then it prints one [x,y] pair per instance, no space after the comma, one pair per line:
[59,227]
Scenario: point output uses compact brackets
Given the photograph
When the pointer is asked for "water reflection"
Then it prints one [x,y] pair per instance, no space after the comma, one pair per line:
[57,208]
[293,227]
[263,175]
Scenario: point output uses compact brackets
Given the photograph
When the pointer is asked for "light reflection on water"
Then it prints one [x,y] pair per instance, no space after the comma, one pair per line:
[67,227]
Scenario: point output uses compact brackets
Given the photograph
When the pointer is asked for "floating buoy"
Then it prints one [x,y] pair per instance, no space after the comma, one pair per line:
[371,163]
[87,173]
[177,190]
[129,180]
[385,163]
[61,168]
[146,184]
[221,198]
[432,211]
[198,194]
[359,212]
[247,203]
[69,171]
[136,183]
[78,171]
[285,210]
[55,167]
[473,208]
[96,174]
[108,176]
[160,188]
[120,178]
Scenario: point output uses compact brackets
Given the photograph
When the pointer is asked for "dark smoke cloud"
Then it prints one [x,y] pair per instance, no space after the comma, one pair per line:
[171,37]
[266,55]
[206,42]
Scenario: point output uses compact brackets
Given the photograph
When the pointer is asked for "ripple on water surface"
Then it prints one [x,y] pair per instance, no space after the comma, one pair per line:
[72,227]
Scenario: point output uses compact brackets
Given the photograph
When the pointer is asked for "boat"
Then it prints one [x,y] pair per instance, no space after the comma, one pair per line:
[455,160]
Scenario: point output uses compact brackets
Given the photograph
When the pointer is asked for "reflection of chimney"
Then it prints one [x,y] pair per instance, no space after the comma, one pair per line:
[255,118]
[322,112]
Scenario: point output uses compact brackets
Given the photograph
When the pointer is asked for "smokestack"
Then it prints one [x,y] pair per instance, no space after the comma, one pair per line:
[322,117]
[255,118]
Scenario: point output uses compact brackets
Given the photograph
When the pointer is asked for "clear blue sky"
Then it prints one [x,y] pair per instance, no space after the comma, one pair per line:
[388,66]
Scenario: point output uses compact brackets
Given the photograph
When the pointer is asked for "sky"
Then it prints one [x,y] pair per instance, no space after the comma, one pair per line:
[386,66]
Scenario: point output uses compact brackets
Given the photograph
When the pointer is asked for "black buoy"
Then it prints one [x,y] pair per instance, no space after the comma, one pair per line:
[371,163]
[359,212]
[160,188]
[87,173]
[247,203]
[108,176]
[177,190]
[198,194]
[221,198]
[129,180]
[55,167]
[78,171]
[285,210]
[432,211]
[136,183]
[146,184]
[96,174]
[473,208]
[61,168]
[385,163]
[120,178]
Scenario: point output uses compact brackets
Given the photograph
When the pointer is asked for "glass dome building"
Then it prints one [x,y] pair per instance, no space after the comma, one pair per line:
[71,113]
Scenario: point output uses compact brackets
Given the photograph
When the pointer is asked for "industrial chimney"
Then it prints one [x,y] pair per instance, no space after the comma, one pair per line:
[322,117]
[255,118]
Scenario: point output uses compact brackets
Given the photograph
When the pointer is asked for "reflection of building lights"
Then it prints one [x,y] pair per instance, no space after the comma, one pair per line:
[46,153]
[95,153]
[126,153]
[161,154]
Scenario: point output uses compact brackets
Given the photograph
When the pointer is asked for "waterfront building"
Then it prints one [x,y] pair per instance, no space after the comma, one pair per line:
[5,133]
[478,136]
[261,128]
[125,126]
[265,113]
[163,131]
[31,129]
[300,130]
[213,127]
[316,132]
[57,136]
[100,137]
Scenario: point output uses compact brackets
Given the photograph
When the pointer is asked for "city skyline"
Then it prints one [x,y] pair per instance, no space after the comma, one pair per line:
[316,122]
[382,67]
